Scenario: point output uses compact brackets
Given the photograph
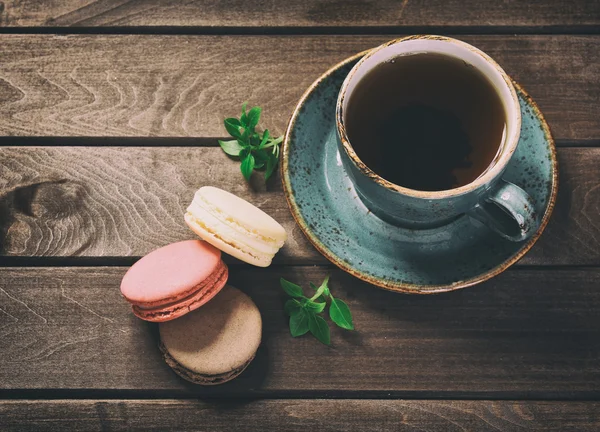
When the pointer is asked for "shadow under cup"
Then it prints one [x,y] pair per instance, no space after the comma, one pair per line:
[474,188]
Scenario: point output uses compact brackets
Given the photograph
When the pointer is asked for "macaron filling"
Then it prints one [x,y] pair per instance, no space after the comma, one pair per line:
[200,207]
[239,245]
[187,301]
[197,377]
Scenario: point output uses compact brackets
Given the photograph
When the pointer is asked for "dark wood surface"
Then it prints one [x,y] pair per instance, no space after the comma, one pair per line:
[300,415]
[526,333]
[127,201]
[300,13]
[109,115]
[184,86]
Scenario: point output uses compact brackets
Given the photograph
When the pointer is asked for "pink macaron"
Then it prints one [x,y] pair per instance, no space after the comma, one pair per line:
[174,280]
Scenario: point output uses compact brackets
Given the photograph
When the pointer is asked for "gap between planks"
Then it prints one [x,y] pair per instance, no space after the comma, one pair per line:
[309,30]
[127,261]
[151,394]
[71,141]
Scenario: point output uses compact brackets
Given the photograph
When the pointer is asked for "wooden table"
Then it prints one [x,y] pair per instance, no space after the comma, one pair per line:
[109,115]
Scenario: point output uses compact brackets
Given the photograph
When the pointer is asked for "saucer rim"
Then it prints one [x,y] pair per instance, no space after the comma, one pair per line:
[396,286]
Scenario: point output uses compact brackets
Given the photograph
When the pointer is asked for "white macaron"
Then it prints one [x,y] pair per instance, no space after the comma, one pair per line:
[235,226]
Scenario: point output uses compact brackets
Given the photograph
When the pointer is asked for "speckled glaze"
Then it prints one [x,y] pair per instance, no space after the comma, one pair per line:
[325,205]
[426,209]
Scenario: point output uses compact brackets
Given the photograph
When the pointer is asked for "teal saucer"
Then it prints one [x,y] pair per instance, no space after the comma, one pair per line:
[325,205]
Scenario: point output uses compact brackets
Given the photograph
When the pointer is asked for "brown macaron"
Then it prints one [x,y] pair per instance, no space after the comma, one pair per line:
[215,343]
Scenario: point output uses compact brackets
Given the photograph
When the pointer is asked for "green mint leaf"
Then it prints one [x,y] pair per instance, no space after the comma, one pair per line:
[313,306]
[243,143]
[244,117]
[232,148]
[256,151]
[319,328]
[291,289]
[320,298]
[253,117]
[254,140]
[261,157]
[292,306]
[246,136]
[271,165]
[299,323]
[265,138]
[259,160]
[233,127]
[247,166]
[244,152]
[233,121]
[339,312]
[326,291]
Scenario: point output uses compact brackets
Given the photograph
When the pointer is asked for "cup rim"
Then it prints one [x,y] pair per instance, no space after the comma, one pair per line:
[495,168]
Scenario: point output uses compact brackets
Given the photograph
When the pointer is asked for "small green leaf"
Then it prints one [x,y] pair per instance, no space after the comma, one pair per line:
[292,306]
[261,157]
[271,165]
[232,147]
[247,166]
[265,138]
[291,289]
[246,136]
[319,328]
[233,121]
[299,323]
[326,291]
[339,312]
[243,143]
[315,307]
[253,139]
[320,298]
[253,117]
[233,127]
[244,117]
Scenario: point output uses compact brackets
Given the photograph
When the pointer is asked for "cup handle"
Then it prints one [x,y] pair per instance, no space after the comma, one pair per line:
[509,211]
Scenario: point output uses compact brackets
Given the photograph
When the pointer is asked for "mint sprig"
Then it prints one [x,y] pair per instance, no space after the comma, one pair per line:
[305,312]
[255,151]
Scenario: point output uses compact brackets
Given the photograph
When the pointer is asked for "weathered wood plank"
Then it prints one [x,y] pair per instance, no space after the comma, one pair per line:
[298,415]
[184,86]
[297,13]
[114,202]
[527,333]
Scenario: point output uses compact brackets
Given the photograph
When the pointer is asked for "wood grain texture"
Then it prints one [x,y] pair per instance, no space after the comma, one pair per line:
[299,415]
[184,86]
[297,13]
[115,202]
[525,334]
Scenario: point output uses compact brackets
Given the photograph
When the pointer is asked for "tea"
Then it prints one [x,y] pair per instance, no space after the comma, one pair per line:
[427,122]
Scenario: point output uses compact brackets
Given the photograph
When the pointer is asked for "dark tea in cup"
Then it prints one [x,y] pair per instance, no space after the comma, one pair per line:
[426,121]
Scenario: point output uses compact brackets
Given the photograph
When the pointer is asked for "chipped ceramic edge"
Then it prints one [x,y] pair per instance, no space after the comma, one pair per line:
[478,183]
[409,288]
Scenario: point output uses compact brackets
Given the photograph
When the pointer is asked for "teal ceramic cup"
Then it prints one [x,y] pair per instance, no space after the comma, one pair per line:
[502,206]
